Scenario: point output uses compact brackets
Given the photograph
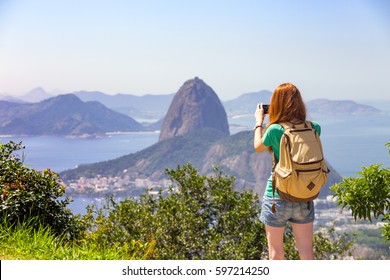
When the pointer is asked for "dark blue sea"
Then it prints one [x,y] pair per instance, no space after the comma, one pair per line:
[349,143]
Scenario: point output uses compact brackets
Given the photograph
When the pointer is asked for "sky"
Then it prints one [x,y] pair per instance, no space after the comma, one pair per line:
[335,49]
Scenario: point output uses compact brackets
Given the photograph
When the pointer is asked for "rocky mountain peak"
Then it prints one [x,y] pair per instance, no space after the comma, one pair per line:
[194,106]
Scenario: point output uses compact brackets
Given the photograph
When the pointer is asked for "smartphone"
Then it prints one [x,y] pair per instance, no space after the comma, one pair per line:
[265,108]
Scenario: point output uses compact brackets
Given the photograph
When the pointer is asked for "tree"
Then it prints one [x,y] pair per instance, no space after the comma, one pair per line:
[368,195]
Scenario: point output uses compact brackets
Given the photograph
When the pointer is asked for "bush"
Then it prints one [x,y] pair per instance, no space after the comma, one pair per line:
[28,194]
[367,196]
[200,218]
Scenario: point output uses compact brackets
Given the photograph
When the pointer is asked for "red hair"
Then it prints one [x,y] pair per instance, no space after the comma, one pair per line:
[286,105]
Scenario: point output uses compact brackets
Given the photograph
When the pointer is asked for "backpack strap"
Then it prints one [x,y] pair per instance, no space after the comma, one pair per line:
[273,208]
[310,125]
[273,183]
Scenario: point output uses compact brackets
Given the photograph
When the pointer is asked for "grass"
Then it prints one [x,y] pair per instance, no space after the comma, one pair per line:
[22,242]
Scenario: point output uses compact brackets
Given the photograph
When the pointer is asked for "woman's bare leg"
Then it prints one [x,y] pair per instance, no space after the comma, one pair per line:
[275,242]
[303,234]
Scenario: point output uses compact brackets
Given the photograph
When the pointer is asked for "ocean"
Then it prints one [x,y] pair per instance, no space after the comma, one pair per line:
[349,143]
[60,153]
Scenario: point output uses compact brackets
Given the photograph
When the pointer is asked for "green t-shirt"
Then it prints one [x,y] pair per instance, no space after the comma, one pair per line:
[271,138]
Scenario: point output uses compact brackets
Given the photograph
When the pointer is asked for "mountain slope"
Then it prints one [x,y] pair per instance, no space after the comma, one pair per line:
[63,115]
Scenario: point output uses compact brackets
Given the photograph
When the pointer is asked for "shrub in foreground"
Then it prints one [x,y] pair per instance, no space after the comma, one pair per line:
[28,194]
[368,195]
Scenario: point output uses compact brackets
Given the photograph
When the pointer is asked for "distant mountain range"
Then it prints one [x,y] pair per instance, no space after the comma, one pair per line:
[341,107]
[153,107]
[246,103]
[156,106]
[63,115]
[86,113]
[6,97]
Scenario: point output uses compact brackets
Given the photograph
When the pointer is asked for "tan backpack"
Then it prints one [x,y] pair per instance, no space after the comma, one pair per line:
[301,170]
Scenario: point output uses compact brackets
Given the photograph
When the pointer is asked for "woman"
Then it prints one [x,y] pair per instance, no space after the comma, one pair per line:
[286,106]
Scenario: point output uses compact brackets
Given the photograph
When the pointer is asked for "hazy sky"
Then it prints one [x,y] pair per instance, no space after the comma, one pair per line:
[336,49]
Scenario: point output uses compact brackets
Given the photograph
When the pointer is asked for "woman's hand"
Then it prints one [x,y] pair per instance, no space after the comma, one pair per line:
[257,141]
[259,114]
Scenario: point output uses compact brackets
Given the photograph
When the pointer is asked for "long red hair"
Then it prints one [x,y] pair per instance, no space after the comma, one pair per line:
[286,105]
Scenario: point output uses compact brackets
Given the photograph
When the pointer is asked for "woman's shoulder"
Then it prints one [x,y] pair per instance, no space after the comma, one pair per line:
[274,130]
[276,127]
[315,123]
[272,135]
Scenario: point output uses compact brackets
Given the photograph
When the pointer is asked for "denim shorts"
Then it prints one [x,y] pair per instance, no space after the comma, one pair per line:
[297,213]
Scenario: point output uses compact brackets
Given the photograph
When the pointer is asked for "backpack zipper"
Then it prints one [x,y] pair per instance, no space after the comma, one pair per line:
[309,170]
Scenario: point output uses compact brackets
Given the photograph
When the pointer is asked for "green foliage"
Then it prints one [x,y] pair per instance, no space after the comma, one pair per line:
[200,218]
[329,245]
[368,195]
[27,194]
